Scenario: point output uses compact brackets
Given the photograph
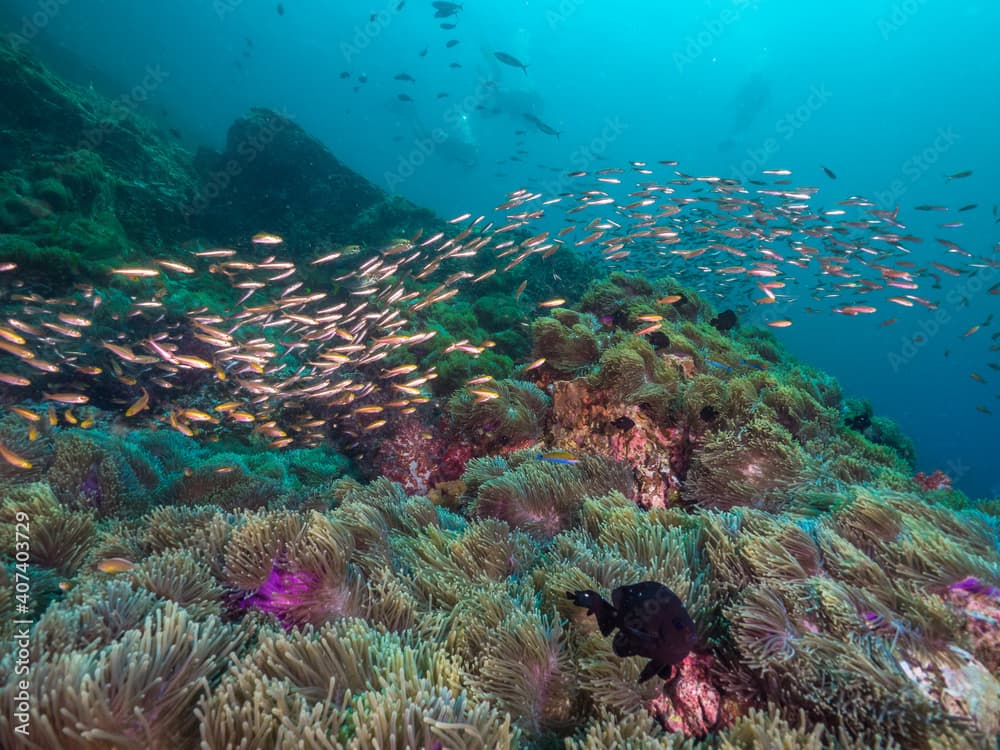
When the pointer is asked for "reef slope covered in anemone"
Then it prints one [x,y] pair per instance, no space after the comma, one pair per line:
[200,589]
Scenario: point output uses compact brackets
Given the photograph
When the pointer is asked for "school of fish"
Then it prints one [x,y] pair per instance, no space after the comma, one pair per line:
[296,366]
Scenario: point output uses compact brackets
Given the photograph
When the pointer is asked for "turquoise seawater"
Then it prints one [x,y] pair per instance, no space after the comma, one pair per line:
[890,96]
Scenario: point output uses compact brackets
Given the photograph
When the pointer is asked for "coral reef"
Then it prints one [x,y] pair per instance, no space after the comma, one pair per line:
[198,580]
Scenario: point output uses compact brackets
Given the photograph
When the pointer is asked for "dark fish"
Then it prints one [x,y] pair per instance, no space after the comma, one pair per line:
[724,321]
[651,622]
[281,9]
[659,340]
[405,77]
[623,423]
[959,175]
[829,173]
[545,128]
[455,65]
[422,53]
[968,207]
[362,78]
[404,97]
[446,9]
[448,26]
[345,74]
[511,60]
[451,43]
[442,94]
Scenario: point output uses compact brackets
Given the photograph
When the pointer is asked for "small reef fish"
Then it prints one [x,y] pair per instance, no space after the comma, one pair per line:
[724,321]
[558,457]
[136,273]
[13,459]
[67,398]
[754,364]
[139,404]
[115,565]
[719,365]
[651,621]
[535,365]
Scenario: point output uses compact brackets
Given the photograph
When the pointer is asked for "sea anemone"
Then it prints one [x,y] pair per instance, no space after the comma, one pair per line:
[514,416]
[138,691]
[544,498]
[758,465]
[566,346]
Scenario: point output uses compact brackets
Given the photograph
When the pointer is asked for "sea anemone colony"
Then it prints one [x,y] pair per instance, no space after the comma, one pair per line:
[353,529]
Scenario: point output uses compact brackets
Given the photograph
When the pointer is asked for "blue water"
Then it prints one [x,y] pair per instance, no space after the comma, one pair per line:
[891,96]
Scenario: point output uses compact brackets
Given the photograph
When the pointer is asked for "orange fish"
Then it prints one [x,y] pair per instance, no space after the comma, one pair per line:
[13,459]
[115,565]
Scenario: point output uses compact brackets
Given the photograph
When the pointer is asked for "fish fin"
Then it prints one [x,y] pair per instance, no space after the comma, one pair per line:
[605,617]
[596,605]
[654,667]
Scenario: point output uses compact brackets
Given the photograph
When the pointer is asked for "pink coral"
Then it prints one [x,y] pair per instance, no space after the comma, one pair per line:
[980,603]
[937,480]
[454,459]
[690,703]
[408,451]
[595,421]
